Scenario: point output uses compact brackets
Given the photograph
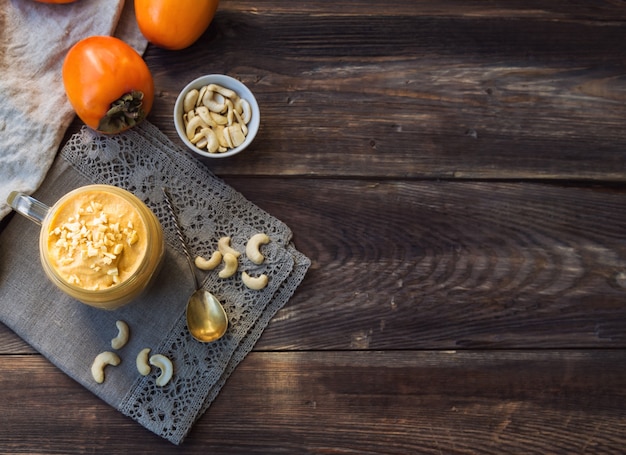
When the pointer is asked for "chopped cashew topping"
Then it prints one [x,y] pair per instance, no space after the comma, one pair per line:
[88,246]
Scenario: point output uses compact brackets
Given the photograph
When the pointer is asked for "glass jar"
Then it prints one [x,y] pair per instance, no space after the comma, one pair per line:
[99,243]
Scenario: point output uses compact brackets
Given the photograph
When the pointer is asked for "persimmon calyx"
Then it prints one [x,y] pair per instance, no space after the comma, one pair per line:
[124,113]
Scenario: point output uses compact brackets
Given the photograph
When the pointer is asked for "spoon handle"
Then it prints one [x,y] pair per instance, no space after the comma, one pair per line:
[179,234]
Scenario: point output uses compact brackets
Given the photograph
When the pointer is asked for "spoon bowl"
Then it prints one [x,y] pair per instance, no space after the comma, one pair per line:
[206,318]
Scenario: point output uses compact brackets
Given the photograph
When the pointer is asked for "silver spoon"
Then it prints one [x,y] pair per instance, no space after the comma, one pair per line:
[206,318]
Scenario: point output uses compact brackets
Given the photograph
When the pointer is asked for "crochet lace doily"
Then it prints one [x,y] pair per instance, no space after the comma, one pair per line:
[144,161]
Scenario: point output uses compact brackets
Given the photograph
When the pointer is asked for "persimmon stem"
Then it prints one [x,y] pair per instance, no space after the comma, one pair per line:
[124,113]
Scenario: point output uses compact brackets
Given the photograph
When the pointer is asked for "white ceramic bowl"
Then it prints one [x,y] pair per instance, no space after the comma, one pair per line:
[227,82]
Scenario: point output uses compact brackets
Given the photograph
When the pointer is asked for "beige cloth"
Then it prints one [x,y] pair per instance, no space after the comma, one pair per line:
[34,111]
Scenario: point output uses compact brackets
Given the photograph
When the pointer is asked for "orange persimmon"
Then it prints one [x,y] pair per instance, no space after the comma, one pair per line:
[174,24]
[107,83]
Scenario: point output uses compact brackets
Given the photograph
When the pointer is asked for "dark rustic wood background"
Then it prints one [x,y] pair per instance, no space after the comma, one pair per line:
[456,171]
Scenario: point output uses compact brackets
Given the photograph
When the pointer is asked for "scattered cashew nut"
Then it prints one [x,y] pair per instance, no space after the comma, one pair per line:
[166,367]
[100,362]
[223,245]
[253,247]
[122,335]
[220,109]
[142,362]
[230,265]
[255,283]
[209,264]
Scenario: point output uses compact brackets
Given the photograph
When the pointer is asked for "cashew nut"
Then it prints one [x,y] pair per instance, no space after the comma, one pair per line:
[100,362]
[142,362]
[206,138]
[194,123]
[215,102]
[255,283]
[226,134]
[204,113]
[236,134]
[230,265]
[247,111]
[230,112]
[122,335]
[210,264]
[201,93]
[223,245]
[225,92]
[166,367]
[219,131]
[242,125]
[190,100]
[219,119]
[253,247]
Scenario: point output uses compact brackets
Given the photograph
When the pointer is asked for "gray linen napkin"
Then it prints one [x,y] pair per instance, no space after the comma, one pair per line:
[34,111]
[71,334]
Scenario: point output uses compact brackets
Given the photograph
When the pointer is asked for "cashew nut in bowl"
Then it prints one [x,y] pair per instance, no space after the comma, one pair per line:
[230,266]
[223,245]
[253,247]
[142,362]
[166,367]
[221,109]
[210,264]
[246,114]
[235,134]
[195,122]
[255,283]
[225,92]
[122,335]
[190,100]
[100,362]
[201,94]
[207,139]
[215,102]
[204,113]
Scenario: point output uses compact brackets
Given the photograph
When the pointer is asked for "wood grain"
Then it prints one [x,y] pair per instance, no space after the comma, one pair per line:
[349,402]
[447,265]
[456,171]
[479,91]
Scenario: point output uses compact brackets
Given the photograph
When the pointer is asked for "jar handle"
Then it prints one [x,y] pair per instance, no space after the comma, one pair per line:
[28,207]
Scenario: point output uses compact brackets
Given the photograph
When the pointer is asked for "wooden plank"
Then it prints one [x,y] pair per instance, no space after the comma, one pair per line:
[444,265]
[424,90]
[562,9]
[447,265]
[348,402]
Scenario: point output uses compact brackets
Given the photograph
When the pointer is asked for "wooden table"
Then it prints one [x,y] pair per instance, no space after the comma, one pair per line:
[456,172]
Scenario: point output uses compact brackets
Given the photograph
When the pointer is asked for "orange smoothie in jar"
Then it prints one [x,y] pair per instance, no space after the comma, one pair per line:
[101,245]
